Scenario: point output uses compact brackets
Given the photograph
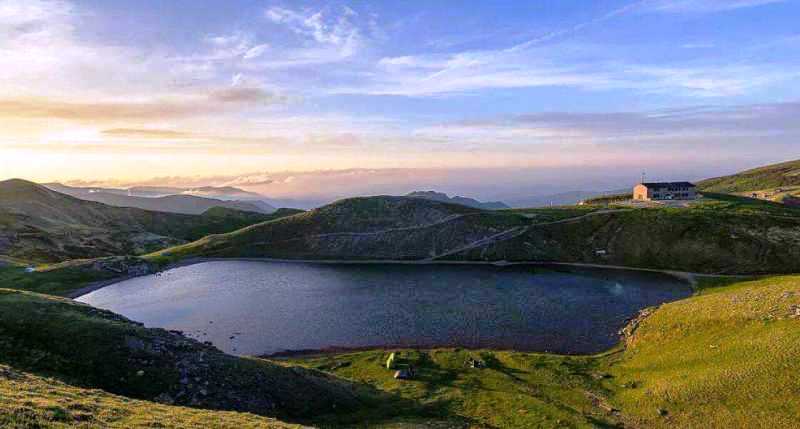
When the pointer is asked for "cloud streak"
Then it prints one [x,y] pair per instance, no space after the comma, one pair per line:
[223,100]
[701,6]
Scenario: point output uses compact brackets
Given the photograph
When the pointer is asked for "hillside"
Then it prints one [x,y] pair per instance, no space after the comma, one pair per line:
[90,348]
[783,178]
[464,201]
[723,234]
[360,228]
[189,203]
[562,198]
[39,224]
[33,401]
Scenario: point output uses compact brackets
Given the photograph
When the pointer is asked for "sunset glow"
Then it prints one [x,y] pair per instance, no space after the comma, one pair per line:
[130,91]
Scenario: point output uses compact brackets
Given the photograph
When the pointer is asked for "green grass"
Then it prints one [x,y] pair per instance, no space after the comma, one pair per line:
[608,199]
[552,214]
[31,401]
[768,177]
[59,281]
[514,390]
[728,357]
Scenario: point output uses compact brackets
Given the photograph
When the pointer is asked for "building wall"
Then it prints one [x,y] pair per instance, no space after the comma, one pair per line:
[643,193]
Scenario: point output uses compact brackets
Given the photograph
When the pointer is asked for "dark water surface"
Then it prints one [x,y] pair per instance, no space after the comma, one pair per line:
[251,308]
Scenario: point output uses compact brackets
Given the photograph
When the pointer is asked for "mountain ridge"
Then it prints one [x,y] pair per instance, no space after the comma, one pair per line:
[40,224]
[171,203]
[464,201]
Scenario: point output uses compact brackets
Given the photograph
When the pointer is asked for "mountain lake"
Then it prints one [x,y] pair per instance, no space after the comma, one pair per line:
[263,308]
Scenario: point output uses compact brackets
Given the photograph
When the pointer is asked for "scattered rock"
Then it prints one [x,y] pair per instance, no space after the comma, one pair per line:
[404,374]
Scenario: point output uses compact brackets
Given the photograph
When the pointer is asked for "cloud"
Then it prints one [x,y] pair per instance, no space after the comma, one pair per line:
[335,34]
[563,64]
[217,101]
[255,51]
[245,95]
[701,6]
[136,133]
[335,31]
[703,124]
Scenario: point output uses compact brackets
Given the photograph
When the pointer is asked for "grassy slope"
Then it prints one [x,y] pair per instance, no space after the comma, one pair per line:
[515,390]
[31,401]
[723,234]
[762,178]
[59,281]
[728,357]
[91,348]
[356,228]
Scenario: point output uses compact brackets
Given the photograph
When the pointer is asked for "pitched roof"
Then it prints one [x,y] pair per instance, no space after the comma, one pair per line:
[669,184]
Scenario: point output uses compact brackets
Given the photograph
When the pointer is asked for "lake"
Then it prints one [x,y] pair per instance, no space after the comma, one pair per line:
[255,308]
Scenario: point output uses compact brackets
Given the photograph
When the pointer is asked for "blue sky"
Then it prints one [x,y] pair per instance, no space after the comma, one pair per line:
[278,93]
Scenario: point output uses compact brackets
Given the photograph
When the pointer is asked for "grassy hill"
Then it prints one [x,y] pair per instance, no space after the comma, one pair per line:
[86,347]
[358,228]
[33,401]
[38,224]
[724,358]
[722,234]
[785,174]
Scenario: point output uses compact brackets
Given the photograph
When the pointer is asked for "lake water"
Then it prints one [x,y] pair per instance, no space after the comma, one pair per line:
[253,308]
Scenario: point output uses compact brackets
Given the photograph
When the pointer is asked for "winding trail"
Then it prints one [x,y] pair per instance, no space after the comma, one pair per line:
[501,236]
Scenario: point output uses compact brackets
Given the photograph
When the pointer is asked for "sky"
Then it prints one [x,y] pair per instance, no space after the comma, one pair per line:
[495,100]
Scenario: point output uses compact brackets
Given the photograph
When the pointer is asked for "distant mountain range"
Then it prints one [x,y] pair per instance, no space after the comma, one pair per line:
[170,200]
[464,201]
[39,224]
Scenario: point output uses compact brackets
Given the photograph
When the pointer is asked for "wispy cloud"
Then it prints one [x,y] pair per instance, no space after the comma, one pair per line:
[331,29]
[136,133]
[708,124]
[225,99]
[701,6]
[560,65]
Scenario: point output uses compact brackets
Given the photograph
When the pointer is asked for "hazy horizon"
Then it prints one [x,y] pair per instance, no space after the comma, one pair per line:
[323,100]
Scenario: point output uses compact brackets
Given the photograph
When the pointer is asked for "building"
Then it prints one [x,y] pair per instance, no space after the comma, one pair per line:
[659,191]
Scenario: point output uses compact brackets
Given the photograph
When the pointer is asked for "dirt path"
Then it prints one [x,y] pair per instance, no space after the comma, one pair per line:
[388,230]
[581,217]
[502,236]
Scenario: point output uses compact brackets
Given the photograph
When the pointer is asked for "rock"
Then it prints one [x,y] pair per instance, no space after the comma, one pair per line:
[139,373]
[403,374]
